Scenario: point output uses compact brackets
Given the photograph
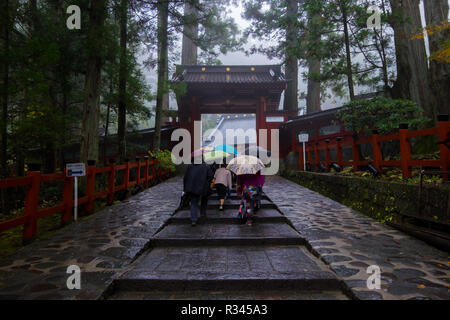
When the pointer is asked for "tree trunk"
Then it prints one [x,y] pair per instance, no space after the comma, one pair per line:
[163,12]
[5,89]
[412,67]
[122,114]
[190,31]
[108,111]
[349,71]
[291,70]
[4,122]
[436,11]
[313,96]
[314,65]
[91,106]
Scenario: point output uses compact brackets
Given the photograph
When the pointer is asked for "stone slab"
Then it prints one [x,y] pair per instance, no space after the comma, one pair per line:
[101,245]
[221,294]
[232,268]
[349,242]
[226,234]
[264,215]
[212,203]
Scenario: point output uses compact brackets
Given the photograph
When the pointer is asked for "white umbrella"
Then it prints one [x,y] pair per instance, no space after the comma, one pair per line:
[259,152]
[245,165]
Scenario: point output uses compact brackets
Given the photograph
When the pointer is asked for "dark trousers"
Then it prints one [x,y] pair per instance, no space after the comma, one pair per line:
[195,199]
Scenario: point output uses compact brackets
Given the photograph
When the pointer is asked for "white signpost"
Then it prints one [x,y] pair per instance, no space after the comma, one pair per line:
[303,137]
[75,170]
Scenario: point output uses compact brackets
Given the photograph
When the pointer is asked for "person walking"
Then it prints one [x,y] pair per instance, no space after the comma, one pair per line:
[249,188]
[196,183]
[222,179]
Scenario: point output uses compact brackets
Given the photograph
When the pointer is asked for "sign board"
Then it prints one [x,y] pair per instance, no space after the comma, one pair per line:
[75,170]
[303,137]
[274,119]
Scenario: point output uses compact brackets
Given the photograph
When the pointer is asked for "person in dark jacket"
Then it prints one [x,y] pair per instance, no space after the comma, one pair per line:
[197,180]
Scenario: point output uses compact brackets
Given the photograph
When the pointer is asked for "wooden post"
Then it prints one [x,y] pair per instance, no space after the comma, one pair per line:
[68,200]
[111,181]
[308,155]
[293,140]
[138,171]
[339,151]
[90,185]
[444,136]
[153,171]
[405,150]
[316,155]
[31,203]
[126,174]
[301,160]
[146,172]
[376,150]
[355,153]
[327,155]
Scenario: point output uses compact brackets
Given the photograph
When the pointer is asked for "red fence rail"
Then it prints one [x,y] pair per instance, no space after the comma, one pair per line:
[346,139]
[34,178]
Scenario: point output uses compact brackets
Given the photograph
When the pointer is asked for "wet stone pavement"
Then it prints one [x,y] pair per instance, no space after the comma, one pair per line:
[349,242]
[101,246]
[302,246]
[221,258]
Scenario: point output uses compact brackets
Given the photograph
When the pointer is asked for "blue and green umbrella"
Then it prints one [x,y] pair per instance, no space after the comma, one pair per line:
[226,148]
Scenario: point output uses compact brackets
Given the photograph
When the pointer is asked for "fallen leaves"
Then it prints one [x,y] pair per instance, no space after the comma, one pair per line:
[421,286]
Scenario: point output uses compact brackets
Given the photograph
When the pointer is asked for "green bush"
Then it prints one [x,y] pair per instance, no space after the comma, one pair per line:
[382,114]
[164,158]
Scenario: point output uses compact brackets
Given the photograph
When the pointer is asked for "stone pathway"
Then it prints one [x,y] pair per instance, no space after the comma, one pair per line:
[303,246]
[224,259]
[101,246]
[349,242]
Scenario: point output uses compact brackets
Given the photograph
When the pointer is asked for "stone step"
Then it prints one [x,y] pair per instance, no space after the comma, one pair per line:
[215,196]
[252,267]
[221,294]
[229,216]
[227,235]
[234,203]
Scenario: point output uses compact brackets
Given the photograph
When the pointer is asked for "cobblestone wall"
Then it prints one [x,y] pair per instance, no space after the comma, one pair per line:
[383,200]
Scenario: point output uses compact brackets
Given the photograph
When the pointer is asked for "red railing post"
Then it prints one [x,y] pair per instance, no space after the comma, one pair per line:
[31,203]
[444,136]
[355,153]
[376,150]
[66,216]
[316,155]
[146,172]
[158,170]
[405,150]
[293,140]
[327,155]
[126,174]
[339,151]
[90,185]
[111,181]
[138,171]
[153,162]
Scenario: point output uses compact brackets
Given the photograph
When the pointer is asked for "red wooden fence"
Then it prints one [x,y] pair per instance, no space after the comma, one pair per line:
[345,139]
[34,178]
